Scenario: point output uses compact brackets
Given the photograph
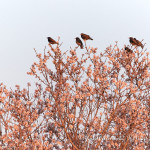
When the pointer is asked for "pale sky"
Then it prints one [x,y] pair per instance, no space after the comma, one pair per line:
[25,24]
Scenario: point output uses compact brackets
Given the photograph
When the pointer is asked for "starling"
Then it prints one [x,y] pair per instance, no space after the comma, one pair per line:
[128,50]
[51,41]
[135,42]
[79,42]
[85,37]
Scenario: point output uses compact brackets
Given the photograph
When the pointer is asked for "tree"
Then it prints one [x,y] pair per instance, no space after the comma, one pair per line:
[84,100]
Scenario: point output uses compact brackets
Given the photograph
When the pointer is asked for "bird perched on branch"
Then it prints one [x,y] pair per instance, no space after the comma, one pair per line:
[85,37]
[135,42]
[128,50]
[79,42]
[51,41]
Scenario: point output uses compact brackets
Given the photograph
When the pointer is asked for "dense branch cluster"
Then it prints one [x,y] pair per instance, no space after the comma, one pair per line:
[84,99]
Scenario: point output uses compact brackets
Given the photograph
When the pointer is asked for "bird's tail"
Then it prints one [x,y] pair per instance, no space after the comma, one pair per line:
[142,46]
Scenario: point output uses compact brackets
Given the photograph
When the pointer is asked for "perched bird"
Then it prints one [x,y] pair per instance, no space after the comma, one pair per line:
[79,42]
[51,41]
[135,42]
[128,50]
[85,37]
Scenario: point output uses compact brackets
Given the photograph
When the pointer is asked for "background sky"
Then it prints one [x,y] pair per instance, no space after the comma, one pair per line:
[25,24]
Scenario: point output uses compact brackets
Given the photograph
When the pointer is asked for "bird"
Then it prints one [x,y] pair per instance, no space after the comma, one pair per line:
[51,41]
[79,42]
[85,37]
[135,42]
[128,50]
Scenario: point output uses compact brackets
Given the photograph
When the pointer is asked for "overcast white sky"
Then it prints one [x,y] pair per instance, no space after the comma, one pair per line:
[25,24]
